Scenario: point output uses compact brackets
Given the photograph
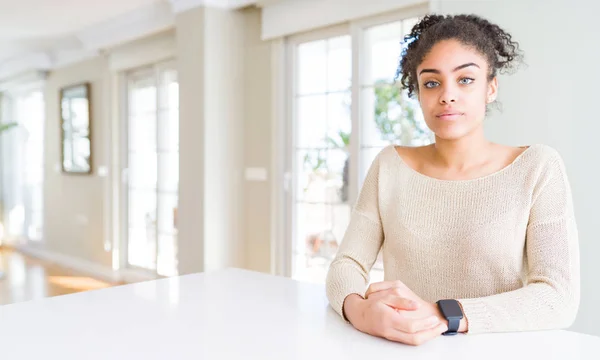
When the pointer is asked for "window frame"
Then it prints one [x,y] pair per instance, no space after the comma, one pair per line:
[9,97]
[154,71]
[285,111]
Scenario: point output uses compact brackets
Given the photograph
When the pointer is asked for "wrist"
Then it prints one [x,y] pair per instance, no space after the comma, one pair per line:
[351,306]
[463,326]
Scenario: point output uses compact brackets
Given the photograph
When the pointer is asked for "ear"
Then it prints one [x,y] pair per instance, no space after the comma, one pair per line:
[492,91]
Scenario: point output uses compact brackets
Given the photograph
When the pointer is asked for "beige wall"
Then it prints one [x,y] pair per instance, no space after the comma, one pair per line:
[224,129]
[257,143]
[191,73]
[75,204]
[210,54]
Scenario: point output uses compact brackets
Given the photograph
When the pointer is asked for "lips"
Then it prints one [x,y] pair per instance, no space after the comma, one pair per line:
[450,115]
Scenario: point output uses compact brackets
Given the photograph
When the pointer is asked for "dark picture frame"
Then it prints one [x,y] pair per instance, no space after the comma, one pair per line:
[76,129]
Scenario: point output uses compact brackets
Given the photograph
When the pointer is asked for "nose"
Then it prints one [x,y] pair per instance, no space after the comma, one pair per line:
[448,96]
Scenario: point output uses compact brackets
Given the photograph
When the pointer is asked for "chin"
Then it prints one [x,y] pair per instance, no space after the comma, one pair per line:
[454,131]
[450,134]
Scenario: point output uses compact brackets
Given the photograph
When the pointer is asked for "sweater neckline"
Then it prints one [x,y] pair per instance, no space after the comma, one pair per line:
[465,181]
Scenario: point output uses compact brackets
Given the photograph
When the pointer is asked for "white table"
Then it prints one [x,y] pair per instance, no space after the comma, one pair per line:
[236,314]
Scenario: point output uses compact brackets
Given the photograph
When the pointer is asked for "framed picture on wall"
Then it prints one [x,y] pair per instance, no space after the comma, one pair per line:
[76,120]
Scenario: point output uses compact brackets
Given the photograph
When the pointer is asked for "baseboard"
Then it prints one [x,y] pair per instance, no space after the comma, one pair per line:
[82,266]
[70,262]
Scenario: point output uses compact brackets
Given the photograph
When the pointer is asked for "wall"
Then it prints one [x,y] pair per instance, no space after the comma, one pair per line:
[552,101]
[190,62]
[210,55]
[75,204]
[311,14]
[257,143]
[224,136]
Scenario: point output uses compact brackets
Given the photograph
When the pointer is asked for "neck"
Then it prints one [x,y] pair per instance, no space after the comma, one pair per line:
[463,153]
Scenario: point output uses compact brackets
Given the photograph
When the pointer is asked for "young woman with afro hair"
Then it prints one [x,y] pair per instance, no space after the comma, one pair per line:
[476,237]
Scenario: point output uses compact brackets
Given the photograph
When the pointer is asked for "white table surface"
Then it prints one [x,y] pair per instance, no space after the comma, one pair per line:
[236,314]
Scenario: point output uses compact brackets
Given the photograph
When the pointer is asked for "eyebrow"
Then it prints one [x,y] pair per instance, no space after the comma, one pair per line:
[435,71]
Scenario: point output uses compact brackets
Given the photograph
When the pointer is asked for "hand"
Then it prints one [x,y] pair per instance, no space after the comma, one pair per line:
[379,315]
[425,308]
[397,287]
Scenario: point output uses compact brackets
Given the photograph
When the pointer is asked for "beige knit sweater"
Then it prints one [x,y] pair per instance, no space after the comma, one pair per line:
[505,245]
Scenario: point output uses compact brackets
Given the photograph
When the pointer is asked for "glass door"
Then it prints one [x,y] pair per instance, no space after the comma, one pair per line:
[321,129]
[152,166]
[23,166]
[334,140]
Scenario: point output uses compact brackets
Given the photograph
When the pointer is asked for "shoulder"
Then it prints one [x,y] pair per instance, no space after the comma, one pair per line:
[546,167]
[386,162]
[397,154]
[545,157]
[545,152]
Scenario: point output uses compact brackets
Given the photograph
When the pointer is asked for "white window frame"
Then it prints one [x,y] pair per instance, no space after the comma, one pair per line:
[34,82]
[131,271]
[284,81]
[158,49]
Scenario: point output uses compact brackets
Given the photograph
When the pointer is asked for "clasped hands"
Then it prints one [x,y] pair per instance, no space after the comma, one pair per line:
[392,311]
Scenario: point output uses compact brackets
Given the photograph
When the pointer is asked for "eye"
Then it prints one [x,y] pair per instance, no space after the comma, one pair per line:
[466,81]
[431,84]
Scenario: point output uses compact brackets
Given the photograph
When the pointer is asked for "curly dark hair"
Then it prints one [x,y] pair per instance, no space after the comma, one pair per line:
[495,44]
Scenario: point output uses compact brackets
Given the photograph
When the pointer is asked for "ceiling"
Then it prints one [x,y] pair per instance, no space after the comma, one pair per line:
[51,33]
[34,25]
[31,19]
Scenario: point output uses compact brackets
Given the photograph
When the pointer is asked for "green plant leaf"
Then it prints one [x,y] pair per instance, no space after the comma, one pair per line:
[4,127]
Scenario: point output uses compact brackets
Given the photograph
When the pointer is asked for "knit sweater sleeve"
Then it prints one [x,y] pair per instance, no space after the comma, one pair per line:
[550,297]
[349,271]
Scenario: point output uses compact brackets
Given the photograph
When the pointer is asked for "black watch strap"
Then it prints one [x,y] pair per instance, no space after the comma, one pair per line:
[452,312]
[453,325]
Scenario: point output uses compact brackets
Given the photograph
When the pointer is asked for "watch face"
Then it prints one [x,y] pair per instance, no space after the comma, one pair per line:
[450,308]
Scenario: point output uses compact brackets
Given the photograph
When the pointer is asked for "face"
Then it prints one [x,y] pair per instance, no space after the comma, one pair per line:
[453,89]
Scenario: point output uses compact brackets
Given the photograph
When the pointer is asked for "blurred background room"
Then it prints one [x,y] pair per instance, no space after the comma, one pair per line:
[143,139]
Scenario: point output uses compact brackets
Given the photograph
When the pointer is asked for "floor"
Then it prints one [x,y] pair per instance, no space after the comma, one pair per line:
[26,279]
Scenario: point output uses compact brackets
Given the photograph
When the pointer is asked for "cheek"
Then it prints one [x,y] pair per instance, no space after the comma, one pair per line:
[476,99]
[428,100]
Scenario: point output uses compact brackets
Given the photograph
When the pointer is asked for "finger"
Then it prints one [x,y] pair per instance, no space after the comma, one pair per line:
[379,286]
[416,338]
[379,295]
[393,291]
[400,303]
[413,325]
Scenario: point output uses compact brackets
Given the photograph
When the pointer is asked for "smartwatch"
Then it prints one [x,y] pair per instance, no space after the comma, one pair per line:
[452,312]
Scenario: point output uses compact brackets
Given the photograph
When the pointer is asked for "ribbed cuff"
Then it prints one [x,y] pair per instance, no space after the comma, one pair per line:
[478,316]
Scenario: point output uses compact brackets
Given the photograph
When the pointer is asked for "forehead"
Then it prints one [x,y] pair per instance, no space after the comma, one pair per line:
[448,54]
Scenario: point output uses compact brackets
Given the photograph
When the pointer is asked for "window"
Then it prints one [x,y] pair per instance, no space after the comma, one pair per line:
[23,165]
[388,115]
[153,168]
[334,141]
[322,128]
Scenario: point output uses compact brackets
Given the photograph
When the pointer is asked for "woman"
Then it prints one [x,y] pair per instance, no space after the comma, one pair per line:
[488,229]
